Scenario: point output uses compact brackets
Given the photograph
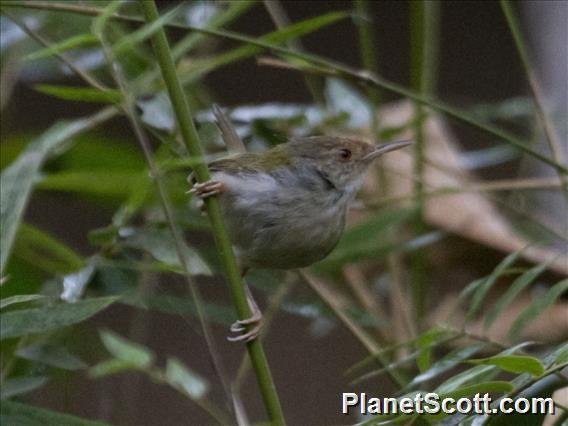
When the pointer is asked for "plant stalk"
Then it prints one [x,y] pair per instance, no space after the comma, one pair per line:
[191,140]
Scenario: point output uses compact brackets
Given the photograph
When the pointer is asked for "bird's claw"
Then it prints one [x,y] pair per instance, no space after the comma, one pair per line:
[207,189]
[241,326]
[252,326]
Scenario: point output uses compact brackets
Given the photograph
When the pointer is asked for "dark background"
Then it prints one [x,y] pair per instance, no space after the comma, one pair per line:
[478,63]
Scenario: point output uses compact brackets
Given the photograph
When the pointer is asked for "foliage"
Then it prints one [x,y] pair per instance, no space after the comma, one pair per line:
[51,292]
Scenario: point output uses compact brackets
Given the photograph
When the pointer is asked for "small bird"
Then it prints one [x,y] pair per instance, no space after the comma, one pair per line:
[286,207]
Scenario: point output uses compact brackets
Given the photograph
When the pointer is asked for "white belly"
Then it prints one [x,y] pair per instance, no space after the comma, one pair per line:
[280,226]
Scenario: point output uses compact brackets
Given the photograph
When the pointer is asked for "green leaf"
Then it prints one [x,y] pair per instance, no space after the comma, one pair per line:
[217,313]
[436,335]
[425,344]
[18,179]
[160,244]
[179,376]
[283,35]
[538,306]
[21,298]
[96,151]
[482,388]
[482,290]
[20,385]
[82,94]
[473,375]
[512,292]
[81,40]
[119,184]
[45,252]
[111,366]
[128,42]
[469,391]
[476,374]
[16,413]
[125,350]
[233,11]
[513,363]
[52,355]
[367,239]
[561,355]
[29,321]
[445,364]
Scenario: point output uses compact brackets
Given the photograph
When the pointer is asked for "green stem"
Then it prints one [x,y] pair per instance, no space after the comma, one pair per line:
[424,42]
[191,139]
[367,47]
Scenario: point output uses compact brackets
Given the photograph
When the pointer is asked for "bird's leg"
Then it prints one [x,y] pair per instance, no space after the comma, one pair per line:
[251,325]
[207,188]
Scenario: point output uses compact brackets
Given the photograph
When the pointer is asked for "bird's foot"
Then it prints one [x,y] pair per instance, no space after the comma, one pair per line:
[248,329]
[207,189]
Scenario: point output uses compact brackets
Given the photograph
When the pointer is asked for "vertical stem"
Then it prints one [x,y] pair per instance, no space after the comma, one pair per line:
[191,140]
[399,312]
[424,17]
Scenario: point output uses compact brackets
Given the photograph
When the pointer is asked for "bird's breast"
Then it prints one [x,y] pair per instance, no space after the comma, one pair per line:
[277,222]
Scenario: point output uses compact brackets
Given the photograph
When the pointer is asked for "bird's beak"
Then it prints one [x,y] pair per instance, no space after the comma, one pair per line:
[388,147]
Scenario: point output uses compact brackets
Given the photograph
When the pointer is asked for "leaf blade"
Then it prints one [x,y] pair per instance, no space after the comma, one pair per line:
[31,321]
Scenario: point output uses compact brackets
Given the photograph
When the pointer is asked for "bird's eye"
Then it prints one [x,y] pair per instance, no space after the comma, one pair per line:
[345,154]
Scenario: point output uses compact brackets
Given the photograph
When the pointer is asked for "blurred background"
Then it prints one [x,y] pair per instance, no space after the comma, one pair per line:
[476,67]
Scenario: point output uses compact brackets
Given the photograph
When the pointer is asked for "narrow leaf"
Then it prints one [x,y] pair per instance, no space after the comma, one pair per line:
[161,246]
[21,298]
[17,180]
[363,239]
[49,354]
[126,350]
[115,183]
[28,321]
[20,385]
[512,292]
[480,293]
[481,388]
[283,35]
[513,363]
[46,252]
[538,306]
[476,374]
[144,32]
[16,413]
[561,355]
[82,94]
[179,376]
[111,366]
[445,364]
[81,40]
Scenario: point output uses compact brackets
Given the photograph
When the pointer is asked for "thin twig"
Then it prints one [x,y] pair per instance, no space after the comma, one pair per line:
[363,337]
[86,77]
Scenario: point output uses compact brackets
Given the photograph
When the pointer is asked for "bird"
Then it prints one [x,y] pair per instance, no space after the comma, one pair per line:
[286,207]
